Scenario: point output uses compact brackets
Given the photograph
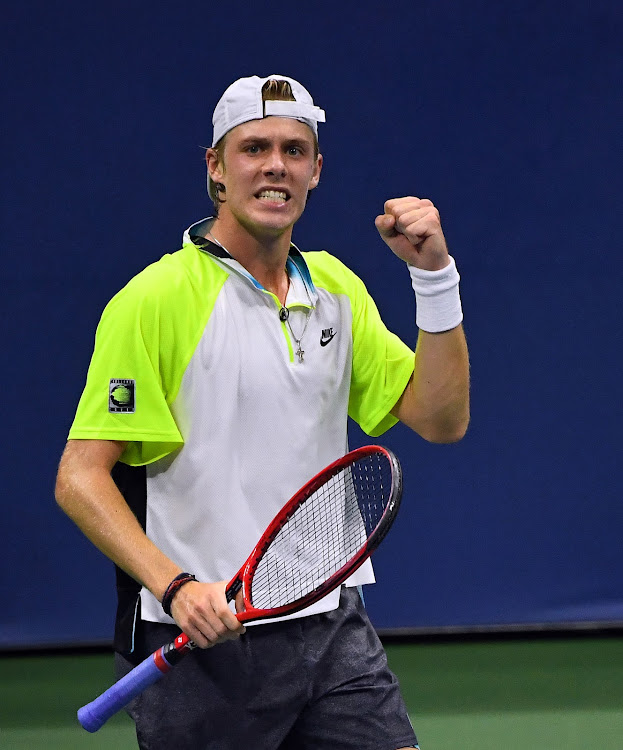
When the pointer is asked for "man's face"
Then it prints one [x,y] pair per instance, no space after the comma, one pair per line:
[267,168]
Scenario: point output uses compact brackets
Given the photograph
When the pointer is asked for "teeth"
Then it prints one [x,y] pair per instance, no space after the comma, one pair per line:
[273,195]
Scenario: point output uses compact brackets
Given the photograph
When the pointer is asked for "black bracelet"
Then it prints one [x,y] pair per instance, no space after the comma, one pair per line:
[172,590]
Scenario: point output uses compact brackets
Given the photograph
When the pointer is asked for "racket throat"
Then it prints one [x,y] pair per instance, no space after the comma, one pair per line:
[233,588]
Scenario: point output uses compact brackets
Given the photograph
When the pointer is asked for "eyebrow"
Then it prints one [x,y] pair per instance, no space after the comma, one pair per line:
[263,141]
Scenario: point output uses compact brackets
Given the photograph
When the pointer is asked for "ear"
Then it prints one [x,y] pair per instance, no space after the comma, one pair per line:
[215,167]
[315,179]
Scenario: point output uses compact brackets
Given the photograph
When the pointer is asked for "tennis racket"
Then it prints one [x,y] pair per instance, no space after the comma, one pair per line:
[315,542]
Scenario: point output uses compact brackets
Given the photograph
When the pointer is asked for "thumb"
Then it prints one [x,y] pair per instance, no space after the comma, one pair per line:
[385,225]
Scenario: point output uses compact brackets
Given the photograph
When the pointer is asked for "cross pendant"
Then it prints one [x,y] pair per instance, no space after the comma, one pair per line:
[299,352]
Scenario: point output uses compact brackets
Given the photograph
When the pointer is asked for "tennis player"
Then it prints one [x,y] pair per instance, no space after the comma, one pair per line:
[221,381]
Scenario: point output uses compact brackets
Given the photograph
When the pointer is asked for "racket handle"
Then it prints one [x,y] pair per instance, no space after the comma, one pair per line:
[95,714]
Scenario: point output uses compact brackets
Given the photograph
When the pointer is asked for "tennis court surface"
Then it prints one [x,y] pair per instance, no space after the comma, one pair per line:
[545,694]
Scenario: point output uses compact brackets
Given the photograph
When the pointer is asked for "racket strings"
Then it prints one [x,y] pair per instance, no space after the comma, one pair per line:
[324,533]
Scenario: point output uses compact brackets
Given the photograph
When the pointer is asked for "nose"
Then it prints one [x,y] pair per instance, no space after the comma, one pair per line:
[275,164]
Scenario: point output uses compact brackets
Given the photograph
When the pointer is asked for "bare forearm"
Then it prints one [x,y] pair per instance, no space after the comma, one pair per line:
[86,492]
[436,401]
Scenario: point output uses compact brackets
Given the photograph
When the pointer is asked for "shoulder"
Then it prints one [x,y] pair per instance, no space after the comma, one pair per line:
[170,282]
[330,273]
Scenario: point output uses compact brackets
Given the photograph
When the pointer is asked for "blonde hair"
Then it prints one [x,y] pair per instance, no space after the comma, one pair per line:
[273,90]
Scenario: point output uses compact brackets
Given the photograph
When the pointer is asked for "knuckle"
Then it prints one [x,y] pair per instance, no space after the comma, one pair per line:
[222,611]
[400,225]
[197,637]
[220,629]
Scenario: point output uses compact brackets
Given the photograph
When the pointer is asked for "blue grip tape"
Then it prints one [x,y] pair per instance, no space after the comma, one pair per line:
[95,714]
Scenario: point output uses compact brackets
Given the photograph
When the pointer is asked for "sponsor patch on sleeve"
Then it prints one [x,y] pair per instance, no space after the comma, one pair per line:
[122,396]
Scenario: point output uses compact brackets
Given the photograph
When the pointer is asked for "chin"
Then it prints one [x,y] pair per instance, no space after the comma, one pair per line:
[276,221]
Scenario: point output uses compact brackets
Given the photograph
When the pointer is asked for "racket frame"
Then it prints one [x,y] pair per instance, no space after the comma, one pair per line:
[244,578]
[93,715]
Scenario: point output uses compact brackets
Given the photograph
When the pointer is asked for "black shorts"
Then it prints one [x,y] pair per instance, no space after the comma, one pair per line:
[318,682]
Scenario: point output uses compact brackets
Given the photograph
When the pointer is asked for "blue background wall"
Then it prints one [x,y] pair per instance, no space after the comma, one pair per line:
[507,115]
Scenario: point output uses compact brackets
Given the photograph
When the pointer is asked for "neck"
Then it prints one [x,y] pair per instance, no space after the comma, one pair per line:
[263,257]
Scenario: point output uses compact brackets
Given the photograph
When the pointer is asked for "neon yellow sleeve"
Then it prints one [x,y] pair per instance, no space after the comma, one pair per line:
[382,367]
[144,341]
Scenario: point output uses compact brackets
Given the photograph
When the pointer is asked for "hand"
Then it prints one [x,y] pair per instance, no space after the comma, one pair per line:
[412,230]
[202,612]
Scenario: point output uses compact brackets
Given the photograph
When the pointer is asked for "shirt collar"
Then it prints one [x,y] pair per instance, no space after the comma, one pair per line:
[297,268]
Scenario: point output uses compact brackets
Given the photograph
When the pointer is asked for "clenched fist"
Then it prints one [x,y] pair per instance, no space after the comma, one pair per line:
[411,227]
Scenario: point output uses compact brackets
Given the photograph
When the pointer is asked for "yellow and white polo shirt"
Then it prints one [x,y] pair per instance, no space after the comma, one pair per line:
[195,368]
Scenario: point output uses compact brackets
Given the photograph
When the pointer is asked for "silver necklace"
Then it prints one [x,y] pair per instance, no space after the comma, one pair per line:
[284,312]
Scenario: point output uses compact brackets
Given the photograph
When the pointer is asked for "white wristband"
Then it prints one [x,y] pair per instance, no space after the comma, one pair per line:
[437,298]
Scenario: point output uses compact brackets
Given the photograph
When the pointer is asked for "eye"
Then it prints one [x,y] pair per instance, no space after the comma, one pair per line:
[253,148]
[295,151]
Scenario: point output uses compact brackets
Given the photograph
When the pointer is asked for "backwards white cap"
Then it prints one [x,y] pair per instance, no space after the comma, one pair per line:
[242,102]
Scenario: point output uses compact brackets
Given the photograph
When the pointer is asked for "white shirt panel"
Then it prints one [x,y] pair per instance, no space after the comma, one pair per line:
[256,423]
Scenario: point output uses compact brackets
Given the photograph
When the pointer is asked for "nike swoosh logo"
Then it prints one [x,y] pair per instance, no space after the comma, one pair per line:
[324,340]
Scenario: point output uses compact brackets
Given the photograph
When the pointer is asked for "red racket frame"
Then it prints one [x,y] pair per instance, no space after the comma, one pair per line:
[95,714]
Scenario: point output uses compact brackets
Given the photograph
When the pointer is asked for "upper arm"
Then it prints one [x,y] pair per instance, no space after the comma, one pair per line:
[435,403]
[399,410]
[84,455]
